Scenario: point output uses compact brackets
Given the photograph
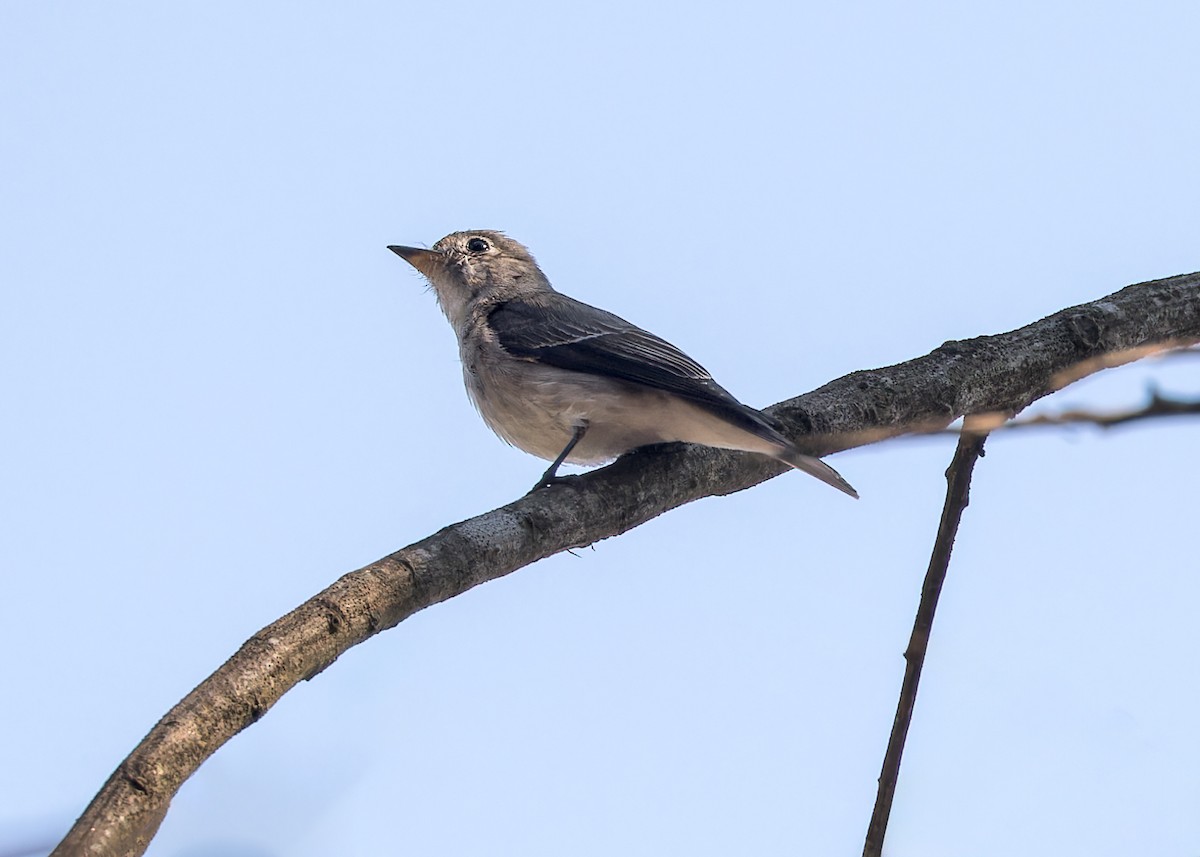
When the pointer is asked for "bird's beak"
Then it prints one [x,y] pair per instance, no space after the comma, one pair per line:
[425,261]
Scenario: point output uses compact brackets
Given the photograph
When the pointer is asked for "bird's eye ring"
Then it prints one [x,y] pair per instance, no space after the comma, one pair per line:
[477,245]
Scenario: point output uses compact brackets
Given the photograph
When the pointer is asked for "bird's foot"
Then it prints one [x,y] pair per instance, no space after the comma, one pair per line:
[551,478]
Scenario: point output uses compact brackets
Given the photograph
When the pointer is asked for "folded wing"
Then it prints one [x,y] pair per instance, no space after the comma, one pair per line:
[559,331]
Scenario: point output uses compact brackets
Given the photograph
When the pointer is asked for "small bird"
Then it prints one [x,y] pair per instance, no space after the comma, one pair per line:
[568,382]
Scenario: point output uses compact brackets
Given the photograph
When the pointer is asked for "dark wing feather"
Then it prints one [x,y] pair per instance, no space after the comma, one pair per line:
[559,331]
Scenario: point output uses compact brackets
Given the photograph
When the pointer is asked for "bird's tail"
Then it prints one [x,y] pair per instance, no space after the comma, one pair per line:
[818,468]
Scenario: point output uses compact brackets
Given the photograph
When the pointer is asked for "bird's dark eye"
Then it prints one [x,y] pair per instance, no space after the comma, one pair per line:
[477,245]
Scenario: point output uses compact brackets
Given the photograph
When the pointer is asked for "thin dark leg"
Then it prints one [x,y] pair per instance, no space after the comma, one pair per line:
[551,475]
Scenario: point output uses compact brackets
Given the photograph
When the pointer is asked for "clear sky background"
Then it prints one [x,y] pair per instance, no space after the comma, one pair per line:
[221,392]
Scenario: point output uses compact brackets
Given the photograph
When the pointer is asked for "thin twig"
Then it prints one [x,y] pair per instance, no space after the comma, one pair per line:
[1001,421]
[1158,406]
[958,478]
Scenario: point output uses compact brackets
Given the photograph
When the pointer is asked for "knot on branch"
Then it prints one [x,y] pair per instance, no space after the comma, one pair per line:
[1085,330]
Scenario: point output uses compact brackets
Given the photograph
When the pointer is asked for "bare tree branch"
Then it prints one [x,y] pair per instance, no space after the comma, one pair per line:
[1159,350]
[958,485]
[994,373]
[993,421]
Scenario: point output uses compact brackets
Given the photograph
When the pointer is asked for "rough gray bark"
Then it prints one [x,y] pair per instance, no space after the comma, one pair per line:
[993,373]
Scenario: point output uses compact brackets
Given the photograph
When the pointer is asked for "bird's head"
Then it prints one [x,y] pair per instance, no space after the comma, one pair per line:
[479,267]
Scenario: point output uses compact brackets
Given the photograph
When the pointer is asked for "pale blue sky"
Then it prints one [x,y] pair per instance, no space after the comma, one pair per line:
[222,392]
